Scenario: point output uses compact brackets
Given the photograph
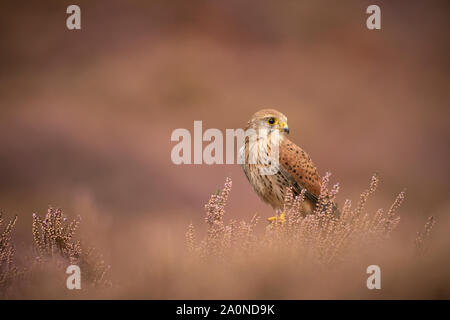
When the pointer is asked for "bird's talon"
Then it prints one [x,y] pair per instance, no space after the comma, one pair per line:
[277,218]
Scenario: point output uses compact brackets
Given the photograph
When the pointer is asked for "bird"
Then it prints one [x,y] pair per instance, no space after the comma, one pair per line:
[295,167]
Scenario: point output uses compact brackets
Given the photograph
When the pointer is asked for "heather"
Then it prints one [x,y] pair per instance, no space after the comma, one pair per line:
[319,255]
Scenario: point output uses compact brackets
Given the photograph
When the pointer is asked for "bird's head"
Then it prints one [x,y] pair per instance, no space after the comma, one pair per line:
[270,120]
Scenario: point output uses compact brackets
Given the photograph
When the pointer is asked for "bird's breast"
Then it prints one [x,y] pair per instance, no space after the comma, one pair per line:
[258,155]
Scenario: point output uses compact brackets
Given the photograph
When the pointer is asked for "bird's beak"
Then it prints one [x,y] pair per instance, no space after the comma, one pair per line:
[284,127]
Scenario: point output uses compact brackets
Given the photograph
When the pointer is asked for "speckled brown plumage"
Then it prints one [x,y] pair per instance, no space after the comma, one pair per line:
[298,163]
[296,169]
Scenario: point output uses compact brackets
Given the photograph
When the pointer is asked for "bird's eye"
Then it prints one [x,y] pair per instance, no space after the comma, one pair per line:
[271,121]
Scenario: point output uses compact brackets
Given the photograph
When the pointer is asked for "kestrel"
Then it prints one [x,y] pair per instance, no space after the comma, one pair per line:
[295,170]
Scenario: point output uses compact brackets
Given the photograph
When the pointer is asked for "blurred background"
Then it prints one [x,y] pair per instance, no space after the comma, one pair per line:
[86,116]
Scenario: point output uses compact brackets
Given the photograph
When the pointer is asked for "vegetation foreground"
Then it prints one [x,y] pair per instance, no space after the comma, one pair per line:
[298,256]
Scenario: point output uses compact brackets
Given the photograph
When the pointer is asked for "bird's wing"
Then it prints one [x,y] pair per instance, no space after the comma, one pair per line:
[297,166]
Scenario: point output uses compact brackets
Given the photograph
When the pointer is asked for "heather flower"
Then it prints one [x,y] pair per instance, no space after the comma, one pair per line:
[54,240]
[322,237]
[421,241]
[8,270]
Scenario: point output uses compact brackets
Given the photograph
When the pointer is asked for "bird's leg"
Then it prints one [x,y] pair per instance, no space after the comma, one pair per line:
[279,216]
